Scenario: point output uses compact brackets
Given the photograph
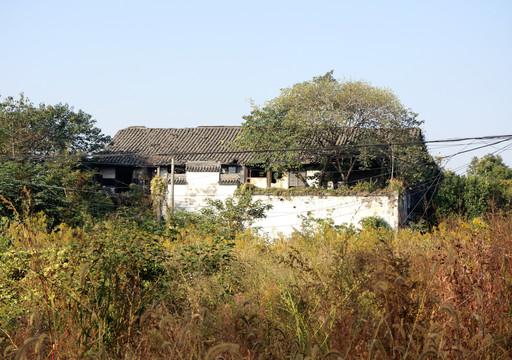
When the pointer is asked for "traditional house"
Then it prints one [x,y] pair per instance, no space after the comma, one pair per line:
[200,156]
[136,154]
[202,163]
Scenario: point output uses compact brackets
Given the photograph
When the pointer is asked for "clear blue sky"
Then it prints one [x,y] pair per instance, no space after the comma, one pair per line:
[185,64]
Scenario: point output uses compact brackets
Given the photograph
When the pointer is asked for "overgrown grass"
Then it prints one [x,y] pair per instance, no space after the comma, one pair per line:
[147,290]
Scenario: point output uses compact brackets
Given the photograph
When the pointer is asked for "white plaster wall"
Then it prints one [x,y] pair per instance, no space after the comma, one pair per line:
[200,187]
[163,172]
[281,183]
[284,215]
[311,173]
[259,182]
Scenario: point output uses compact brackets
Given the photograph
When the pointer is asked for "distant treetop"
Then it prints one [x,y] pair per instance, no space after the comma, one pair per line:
[26,129]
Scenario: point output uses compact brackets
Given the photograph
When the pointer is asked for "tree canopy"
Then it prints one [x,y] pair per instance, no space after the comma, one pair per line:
[490,166]
[60,186]
[335,116]
[26,129]
[486,187]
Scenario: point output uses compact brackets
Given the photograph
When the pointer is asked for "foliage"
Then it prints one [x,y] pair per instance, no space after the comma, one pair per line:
[374,222]
[337,116]
[413,166]
[14,178]
[60,187]
[40,146]
[206,258]
[104,281]
[360,187]
[134,289]
[157,193]
[233,215]
[486,186]
[46,129]
[490,166]
[135,204]
[448,199]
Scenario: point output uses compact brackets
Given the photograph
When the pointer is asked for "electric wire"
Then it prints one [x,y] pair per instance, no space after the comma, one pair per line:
[92,191]
[372,177]
[235,152]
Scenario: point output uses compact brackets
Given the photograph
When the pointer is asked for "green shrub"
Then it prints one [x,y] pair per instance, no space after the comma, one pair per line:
[232,216]
[470,195]
[374,222]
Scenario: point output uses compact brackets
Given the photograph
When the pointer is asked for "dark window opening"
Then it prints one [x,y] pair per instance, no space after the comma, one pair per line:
[123,178]
[178,169]
[230,169]
[257,172]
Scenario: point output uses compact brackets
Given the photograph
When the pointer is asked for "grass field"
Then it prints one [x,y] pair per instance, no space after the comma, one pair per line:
[124,289]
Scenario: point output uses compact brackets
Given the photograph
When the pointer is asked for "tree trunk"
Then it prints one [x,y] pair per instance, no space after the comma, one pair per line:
[345,176]
[269,179]
[303,179]
[321,178]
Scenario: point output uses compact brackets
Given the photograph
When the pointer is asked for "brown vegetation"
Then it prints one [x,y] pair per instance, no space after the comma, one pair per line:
[127,290]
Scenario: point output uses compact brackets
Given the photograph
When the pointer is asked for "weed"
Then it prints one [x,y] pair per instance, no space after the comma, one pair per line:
[139,289]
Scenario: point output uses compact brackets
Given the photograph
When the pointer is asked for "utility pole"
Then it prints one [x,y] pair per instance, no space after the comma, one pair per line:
[392,162]
[172,187]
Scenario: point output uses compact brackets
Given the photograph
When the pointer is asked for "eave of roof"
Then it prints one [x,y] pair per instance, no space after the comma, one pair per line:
[141,146]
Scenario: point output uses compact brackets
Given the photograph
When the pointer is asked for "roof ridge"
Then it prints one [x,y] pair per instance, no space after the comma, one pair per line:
[136,127]
[219,126]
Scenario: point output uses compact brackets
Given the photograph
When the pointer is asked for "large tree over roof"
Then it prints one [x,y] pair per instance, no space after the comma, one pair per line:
[325,113]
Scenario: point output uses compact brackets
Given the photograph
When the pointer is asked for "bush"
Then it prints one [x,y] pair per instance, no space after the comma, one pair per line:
[60,188]
[470,196]
[232,216]
[374,222]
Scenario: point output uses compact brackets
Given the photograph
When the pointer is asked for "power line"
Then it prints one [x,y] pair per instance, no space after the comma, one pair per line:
[239,152]
[367,178]
[323,149]
[435,180]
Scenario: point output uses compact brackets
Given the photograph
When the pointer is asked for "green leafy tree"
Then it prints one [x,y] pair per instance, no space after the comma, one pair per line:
[39,161]
[60,188]
[487,185]
[449,198]
[157,193]
[233,215]
[480,194]
[26,129]
[490,166]
[68,193]
[325,113]
[15,177]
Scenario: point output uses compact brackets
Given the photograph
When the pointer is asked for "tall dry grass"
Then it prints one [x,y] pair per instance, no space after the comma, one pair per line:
[122,290]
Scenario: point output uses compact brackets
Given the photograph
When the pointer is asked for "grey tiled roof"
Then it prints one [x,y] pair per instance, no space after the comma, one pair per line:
[203,166]
[229,181]
[141,146]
